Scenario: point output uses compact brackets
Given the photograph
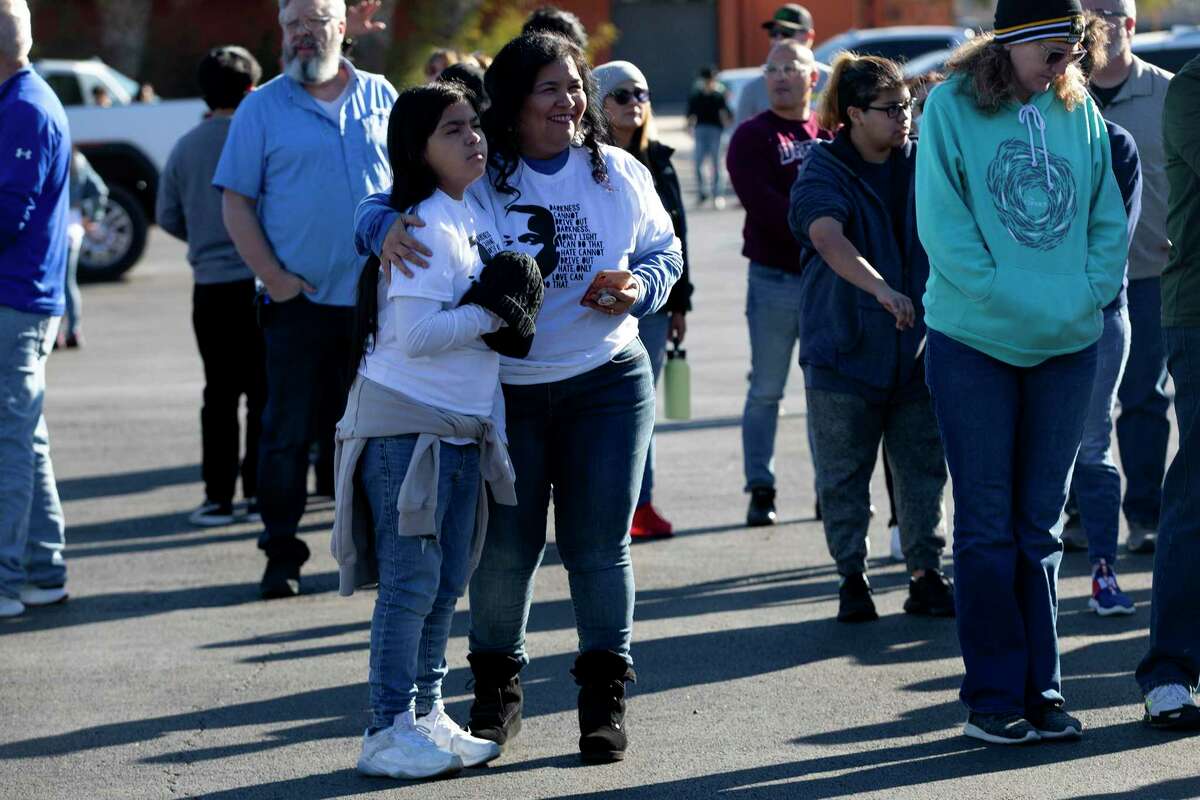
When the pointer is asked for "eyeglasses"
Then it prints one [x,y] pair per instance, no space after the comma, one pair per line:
[786,70]
[623,96]
[1055,57]
[894,110]
[310,24]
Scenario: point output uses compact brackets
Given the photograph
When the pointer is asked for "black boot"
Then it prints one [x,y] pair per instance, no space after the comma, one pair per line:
[496,712]
[602,675]
[282,575]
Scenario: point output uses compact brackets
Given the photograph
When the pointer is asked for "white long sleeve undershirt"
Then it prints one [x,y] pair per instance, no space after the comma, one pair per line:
[424,328]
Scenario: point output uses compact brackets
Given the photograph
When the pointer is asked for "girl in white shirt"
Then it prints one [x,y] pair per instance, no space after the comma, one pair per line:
[421,357]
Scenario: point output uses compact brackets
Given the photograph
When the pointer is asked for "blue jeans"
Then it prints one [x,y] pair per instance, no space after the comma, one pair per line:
[1174,655]
[708,149]
[31,519]
[653,330]
[1011,435]
[1143,429]
[1097,486]
[585,440]
[773,315]
[420,577]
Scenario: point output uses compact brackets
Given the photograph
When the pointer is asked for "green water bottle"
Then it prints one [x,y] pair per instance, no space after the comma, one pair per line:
[677,384]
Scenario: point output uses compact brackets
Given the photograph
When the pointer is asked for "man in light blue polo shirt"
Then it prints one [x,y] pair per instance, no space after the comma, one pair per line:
[302,151]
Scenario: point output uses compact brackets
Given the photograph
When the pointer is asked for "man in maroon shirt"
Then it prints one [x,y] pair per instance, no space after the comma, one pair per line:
[764,156]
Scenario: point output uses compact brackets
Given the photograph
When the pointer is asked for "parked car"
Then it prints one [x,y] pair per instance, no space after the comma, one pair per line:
[899,43]
[1169,50]
[128,144]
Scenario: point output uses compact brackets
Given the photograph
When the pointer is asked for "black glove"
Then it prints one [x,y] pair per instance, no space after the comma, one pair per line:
[510,286]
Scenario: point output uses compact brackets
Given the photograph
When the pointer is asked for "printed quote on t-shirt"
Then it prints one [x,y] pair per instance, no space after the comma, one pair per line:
[569,246]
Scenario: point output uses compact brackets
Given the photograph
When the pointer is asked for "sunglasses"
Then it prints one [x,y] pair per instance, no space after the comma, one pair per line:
[787,33]
[1055,57]
[894,110]
[623,96]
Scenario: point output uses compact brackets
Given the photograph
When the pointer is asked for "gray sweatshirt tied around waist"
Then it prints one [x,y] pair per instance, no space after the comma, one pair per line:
[373,411]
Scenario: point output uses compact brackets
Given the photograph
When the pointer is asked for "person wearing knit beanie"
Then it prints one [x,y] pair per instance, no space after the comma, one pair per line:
[1033,20]
[611,75]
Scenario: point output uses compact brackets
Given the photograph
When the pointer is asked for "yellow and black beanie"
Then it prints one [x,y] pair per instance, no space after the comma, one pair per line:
[1031,20]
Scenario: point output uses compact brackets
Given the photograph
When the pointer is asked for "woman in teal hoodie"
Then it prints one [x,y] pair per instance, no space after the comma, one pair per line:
[1024,225]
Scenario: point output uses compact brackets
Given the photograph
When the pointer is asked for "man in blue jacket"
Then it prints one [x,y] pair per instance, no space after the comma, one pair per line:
[862,333]
[35,155]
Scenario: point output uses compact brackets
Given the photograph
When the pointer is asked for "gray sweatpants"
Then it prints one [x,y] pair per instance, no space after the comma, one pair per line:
[847,431]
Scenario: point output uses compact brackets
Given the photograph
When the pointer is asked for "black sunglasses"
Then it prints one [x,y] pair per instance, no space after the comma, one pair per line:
[623,96]
[1058,56]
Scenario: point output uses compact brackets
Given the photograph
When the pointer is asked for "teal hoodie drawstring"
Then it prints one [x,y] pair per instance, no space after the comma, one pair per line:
[1032,117]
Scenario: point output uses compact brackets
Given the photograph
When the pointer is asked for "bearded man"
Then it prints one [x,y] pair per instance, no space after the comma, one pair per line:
[302,151]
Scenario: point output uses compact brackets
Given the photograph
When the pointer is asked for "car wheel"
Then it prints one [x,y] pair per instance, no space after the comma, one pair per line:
[117,240]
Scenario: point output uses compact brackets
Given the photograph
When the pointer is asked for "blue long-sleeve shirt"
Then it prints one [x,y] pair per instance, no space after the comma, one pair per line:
[35,166]
[1127,168]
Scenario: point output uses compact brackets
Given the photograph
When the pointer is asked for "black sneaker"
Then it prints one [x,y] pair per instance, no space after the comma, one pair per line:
[931,595]
[1051,722]
[499,697]
[210,514]
[854,600]
[762,507]
[1000,728]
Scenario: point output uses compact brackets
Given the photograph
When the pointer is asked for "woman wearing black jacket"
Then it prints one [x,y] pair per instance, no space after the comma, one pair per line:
[626,97]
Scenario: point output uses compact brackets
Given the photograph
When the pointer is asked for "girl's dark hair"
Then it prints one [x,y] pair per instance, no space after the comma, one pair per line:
[414,118]
[856,81]
[509,83]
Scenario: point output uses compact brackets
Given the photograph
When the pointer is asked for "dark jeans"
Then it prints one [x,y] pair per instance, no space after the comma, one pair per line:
[1174,655]
[1143,429]
[847,430]
[583,439]
[1011,435]
[231,347]
[308,378]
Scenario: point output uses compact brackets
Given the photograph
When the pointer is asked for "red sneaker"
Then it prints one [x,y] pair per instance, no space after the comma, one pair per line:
[649,524]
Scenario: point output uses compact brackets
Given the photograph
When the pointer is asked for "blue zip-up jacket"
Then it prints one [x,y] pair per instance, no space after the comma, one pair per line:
[35,167]
[848,341]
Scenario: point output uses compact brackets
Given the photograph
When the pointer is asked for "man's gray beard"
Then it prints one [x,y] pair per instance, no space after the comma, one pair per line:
[318,69]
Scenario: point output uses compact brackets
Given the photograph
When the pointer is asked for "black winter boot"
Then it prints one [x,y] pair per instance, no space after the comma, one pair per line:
[496,712]
[602,675]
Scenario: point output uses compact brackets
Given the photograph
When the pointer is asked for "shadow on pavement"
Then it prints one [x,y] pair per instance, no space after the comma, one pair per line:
[123,483]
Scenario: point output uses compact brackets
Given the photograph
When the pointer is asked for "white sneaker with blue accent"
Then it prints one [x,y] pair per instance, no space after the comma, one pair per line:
[403,751]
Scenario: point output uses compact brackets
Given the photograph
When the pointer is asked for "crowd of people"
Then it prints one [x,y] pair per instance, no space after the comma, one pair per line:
[454,302]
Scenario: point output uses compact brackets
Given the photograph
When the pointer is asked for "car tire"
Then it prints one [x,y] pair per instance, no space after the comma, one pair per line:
[118,241]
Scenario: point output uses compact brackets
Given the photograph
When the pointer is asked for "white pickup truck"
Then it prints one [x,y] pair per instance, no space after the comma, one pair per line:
[128,144]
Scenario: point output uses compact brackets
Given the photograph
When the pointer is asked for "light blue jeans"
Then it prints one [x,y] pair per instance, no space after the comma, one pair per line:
[708,149]
[31,519]
[1097,485]
[773,315]
[653,330]
[420,577]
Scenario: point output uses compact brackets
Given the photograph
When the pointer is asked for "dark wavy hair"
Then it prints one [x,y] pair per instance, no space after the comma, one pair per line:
[509,83]
[549,19]
[414,118]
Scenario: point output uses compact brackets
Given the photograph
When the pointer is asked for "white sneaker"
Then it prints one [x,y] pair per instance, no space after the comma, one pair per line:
[897,550]
[209,514]
[10,607]
[446,734]
[402,751]
[34,596]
